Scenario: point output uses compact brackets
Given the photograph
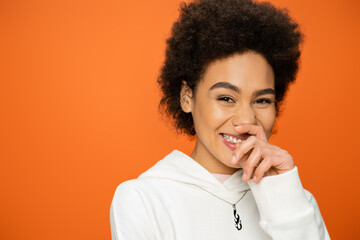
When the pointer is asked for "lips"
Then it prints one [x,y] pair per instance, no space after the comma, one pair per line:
[230,140]
[234,138]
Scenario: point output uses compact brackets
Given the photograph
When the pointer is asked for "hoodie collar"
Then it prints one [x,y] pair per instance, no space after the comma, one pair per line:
[179,167]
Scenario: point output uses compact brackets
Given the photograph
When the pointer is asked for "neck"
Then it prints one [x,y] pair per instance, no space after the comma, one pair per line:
[209,162]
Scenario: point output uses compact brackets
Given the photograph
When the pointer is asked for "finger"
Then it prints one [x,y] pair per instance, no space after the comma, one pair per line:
[251,129]
[238,164]
[246,147]
[261,170]
[243,148]
[251,163]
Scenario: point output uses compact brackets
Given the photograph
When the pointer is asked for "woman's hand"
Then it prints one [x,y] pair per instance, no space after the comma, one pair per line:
[258,157]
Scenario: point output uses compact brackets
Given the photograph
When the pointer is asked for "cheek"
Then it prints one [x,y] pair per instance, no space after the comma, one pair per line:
[209,115]
[219,114]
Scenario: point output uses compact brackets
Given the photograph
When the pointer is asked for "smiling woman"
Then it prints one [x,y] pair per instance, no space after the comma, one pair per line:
[234,91]
[227,68]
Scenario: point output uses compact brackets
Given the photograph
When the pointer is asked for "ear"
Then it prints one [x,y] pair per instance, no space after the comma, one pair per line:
[186,97]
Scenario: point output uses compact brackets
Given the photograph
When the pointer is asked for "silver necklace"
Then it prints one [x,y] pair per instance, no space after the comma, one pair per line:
[237,220]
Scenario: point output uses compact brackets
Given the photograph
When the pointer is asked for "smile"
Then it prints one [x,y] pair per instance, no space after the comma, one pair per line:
[231,139]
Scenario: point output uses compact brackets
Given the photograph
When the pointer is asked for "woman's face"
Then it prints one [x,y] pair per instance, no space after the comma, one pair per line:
[235,90]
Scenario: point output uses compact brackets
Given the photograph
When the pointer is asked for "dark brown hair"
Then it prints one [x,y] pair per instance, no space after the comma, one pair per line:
[207,30]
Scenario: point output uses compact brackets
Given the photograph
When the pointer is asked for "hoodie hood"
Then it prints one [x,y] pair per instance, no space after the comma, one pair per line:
[179,167]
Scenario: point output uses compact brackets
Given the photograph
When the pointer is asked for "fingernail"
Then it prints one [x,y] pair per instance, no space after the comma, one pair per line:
[254,178]
[244,176]
[233,159]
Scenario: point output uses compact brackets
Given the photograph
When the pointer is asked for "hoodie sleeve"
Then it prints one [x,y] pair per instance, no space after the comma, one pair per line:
[287,211]
[128,215]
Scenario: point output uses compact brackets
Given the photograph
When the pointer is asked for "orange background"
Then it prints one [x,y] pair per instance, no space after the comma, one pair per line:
[78,110]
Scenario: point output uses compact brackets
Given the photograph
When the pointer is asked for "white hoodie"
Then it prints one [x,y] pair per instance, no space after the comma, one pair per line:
[177,198]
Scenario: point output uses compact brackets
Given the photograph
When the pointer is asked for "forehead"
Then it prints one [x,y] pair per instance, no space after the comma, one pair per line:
[248,71]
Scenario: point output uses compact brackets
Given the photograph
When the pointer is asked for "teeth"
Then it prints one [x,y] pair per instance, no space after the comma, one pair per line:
[231,139]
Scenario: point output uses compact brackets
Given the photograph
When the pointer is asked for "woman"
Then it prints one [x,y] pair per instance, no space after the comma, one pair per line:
[227,68]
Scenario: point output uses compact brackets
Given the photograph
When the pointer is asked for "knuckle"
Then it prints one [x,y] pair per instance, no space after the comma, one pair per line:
[258,150]
[277,147]
[284,152]
[252,139]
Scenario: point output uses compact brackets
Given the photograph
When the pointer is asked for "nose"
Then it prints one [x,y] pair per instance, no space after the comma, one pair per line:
[244,115]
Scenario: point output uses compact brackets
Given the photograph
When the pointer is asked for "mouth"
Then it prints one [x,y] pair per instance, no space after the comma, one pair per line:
[231,140]
[235,138]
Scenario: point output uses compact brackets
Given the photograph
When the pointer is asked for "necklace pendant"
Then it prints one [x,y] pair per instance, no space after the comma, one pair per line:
[237,220]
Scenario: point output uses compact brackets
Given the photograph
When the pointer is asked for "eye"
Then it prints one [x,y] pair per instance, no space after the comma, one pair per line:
[226,99]
[263,101]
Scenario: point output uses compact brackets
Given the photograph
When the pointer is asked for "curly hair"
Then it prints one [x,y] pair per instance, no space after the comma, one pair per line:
[208,30]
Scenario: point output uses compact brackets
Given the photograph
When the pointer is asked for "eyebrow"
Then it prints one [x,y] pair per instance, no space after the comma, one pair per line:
[236,89]
[225,85]
[264,92]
